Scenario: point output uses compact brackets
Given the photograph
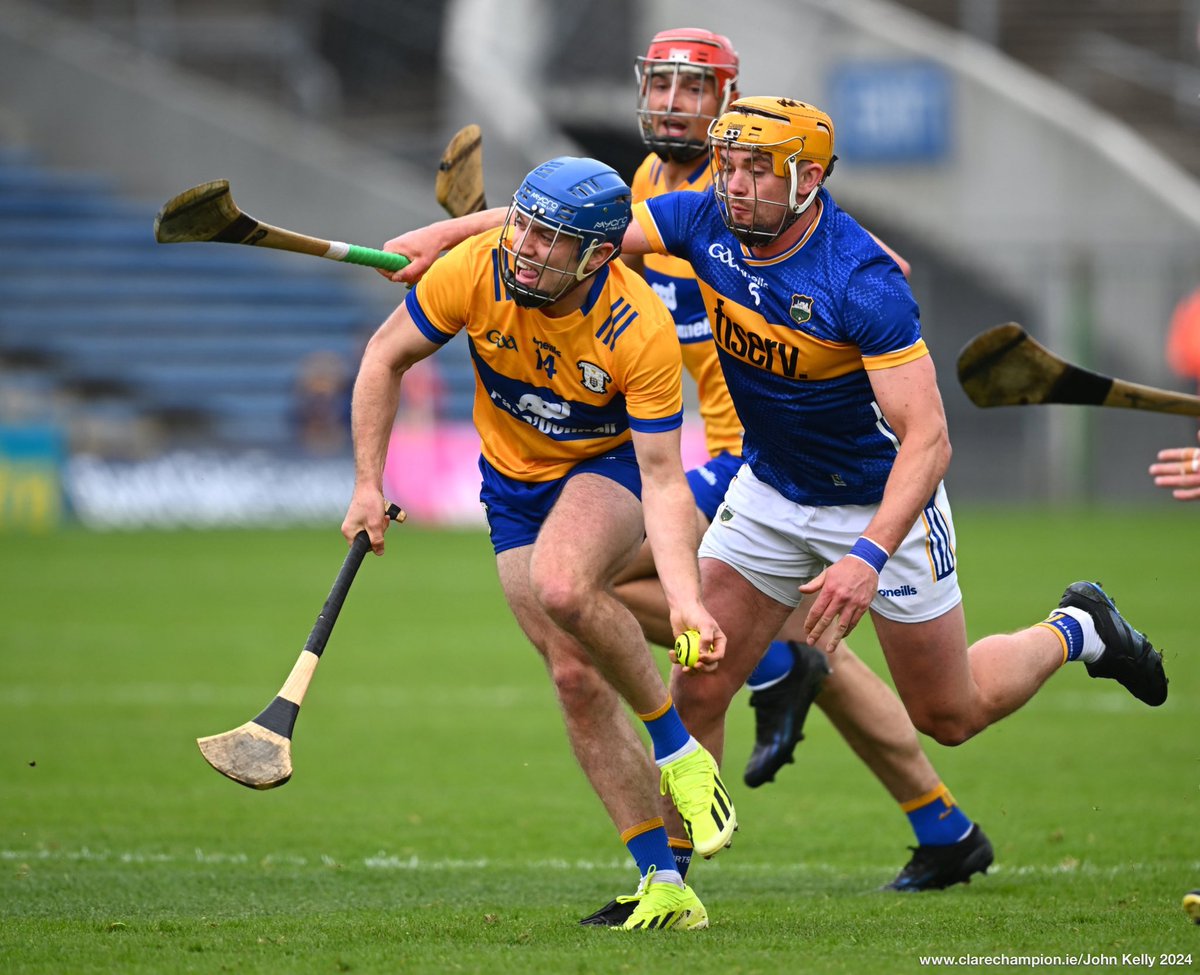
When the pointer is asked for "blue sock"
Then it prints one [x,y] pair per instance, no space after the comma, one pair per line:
[682,851]
[1069,632]
[647,844]
[936,819]
[775,665]
[667,732]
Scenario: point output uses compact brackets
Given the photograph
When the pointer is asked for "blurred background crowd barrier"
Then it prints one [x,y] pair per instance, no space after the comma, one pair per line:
[1037,162]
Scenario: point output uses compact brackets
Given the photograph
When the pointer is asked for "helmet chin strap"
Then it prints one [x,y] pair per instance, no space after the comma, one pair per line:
[581,272]
[798,208]
[584,257]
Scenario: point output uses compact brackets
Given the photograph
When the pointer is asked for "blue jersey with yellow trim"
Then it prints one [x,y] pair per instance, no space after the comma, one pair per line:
[551,392]
[796,335]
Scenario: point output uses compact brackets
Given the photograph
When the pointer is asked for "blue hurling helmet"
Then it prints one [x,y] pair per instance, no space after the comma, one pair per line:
[568,199]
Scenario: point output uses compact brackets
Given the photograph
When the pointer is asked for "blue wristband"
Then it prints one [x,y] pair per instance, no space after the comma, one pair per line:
[870,552]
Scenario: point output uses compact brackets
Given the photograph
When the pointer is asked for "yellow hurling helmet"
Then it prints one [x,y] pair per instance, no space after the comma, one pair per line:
[789,133]
[787,129]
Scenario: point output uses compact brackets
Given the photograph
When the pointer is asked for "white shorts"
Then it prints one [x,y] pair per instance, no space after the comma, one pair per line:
[778,546]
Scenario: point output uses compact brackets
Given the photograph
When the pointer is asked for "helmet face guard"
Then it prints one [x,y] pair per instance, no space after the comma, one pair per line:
[768,217]
[683,63]
[535,281]
[782,133]
[563,212]
[687,87]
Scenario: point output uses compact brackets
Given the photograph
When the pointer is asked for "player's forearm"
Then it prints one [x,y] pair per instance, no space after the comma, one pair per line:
[424,245]
[920,465]
[454,231]
[373,411]
[670,513]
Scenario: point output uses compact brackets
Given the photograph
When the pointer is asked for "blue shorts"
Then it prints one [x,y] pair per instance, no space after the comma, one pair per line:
[709,482]
[516,510]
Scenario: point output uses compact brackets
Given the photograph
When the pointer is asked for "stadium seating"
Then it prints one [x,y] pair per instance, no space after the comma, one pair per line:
[202,344]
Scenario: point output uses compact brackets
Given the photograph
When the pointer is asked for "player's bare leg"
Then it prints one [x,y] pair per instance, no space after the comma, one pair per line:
[750,619]
[593,531]
[783,685]
[860,705]
[602,737]
[950,693]
[951,848]
[875,725]
[863,709]
[872,720]
[606,746]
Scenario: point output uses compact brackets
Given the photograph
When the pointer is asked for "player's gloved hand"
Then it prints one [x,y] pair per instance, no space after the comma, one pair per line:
[843,594]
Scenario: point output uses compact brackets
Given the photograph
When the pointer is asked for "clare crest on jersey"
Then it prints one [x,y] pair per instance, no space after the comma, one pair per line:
[593,378]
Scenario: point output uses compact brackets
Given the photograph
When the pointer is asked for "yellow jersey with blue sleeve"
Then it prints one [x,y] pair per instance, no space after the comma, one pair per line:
[551,392]
[797,334]
[674,281]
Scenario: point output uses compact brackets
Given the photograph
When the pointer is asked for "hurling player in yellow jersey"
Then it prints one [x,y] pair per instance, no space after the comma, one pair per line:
[578,405]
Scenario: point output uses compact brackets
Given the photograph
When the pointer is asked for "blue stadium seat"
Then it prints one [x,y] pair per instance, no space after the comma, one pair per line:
[217,334]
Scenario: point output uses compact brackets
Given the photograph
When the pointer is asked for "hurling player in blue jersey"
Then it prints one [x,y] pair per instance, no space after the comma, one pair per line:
[578,403]
[846,444]
[686,79]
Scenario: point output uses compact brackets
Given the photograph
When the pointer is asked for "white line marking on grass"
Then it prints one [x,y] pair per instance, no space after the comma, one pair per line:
[413,862]
[1105,699]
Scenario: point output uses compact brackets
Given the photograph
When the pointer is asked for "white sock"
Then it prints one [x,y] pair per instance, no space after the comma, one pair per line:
[687,749]
[668,877]
[1093,646]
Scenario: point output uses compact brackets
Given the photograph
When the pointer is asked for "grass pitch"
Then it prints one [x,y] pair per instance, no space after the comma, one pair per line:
[437,823]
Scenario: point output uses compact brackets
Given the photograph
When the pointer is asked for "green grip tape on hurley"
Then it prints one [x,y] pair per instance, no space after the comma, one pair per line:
[374,258]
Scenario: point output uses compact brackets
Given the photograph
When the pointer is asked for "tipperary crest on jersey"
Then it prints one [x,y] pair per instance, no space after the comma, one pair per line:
[801,309]
[593,377]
